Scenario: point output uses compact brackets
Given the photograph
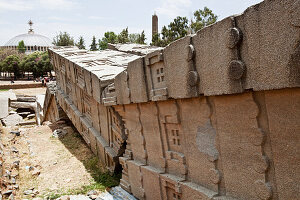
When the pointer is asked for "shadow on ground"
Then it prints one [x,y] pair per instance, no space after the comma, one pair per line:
[75,143]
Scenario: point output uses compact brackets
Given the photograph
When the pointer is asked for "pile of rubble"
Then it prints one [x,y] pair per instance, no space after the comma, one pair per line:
[9,171]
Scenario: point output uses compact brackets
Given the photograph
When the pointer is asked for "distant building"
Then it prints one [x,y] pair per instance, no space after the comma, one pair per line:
[33,42]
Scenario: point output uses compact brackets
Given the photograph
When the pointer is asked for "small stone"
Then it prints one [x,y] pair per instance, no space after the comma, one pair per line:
[16,186]
[92,192]
[7,192]
[11,197]
[13,181]
[64,198]
[29,168]
[36,172]
[16,164]
[28,192]
[14,150]
[17,133]
[93,197]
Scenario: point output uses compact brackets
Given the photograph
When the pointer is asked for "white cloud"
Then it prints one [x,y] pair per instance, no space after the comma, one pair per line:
[173,8]
[15,5]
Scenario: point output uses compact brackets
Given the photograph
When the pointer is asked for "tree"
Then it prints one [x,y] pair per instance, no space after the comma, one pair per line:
[123,37]
[178,28]
[133,37]
[11,64]
[109,37]
[80,43]
[21,47]
[63,39]
[38,63]
[94,45]
[203,18]
[142,38]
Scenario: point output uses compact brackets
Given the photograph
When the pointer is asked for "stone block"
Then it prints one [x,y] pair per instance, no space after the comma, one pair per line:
[136,138]
[135,179]
[122,89]
[181,77]
[198,139]
[153,135]
[151,182]
[270,47]
[243,164]
[85,124]
[101,144]
[193,191]
[213,59]
[103,117]
[93,134]
[96,86]
[88,82]
[284,123]
[137,81]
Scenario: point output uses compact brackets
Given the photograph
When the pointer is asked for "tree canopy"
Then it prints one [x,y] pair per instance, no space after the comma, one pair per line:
[21,47]
[94,44]
[180,27]
[63,39]
[80,44]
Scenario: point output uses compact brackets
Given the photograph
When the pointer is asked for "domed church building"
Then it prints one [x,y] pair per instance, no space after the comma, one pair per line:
[33,42]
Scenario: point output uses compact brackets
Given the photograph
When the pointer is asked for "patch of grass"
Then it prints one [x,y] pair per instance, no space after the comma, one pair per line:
[3,90]
[102,179]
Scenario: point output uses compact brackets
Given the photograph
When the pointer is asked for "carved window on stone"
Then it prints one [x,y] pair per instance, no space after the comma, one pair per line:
[160,75]
[172,195]
[174,137]
[176,196]
[87,106]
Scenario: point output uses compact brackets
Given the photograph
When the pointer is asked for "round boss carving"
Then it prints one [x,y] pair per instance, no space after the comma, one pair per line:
[236,69]
[189,50]
[233,37]
[192,78]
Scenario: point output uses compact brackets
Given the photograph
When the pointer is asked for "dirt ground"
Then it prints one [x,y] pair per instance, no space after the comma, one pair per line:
[53,166]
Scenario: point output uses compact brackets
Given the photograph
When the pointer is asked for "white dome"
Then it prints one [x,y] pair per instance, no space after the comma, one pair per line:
[30,39]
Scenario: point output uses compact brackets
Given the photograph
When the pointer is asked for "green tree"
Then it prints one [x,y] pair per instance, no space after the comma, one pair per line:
[21,47]
[80,44]
[63,39]
[11,64]
[178,28]
[203,18]
[38,63]
[142,38]
[109,37]
[123,37]
[94,44]
[133,37]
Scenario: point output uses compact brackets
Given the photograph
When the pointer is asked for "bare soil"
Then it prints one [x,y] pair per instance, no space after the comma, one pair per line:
[50,165]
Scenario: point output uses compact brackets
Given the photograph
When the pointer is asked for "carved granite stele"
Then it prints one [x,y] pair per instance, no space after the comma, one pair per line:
[214,115]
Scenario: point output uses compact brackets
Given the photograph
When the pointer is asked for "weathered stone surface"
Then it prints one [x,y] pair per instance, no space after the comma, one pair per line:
[122,88]
[284,123]
[179,67]
[212,58]
[141,109]
[137,81]
[269,40]
[12,120]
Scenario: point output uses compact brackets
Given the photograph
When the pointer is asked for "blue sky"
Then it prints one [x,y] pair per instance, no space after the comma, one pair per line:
[94,17]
